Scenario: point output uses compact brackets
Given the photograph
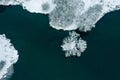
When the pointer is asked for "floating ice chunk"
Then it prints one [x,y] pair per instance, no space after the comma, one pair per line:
[8,57]
[73,45]
[83,14]
[63,16]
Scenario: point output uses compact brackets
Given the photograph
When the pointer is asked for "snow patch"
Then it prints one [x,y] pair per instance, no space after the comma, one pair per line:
[8,57]
[73,45]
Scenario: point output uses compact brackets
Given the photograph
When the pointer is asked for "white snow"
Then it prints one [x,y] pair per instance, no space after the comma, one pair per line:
[8,55]
[73,45]
[86,13]
[35,6]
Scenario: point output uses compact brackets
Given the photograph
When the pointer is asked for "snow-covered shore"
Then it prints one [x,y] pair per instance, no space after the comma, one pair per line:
[8,57]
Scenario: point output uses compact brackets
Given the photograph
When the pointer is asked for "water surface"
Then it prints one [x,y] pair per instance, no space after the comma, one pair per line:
[41,57]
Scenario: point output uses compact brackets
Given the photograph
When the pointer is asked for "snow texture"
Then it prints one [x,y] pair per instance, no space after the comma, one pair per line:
[8,57]
[69,14]
[73,45]
[33,6]
[82,14]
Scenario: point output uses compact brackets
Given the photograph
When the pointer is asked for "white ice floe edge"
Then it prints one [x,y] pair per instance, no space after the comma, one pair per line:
[8,54]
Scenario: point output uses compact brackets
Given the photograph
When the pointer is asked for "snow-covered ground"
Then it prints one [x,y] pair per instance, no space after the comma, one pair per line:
[33,6]
[8,57]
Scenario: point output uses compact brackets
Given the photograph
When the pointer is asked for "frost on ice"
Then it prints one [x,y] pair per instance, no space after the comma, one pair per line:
[8,57]
[73,45]
[69,15]
[80,14]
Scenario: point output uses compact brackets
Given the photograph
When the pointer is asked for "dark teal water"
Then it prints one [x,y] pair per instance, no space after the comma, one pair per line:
[41,57]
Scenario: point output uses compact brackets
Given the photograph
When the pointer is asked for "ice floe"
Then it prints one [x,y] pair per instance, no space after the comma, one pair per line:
[73,45]
[8,57]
